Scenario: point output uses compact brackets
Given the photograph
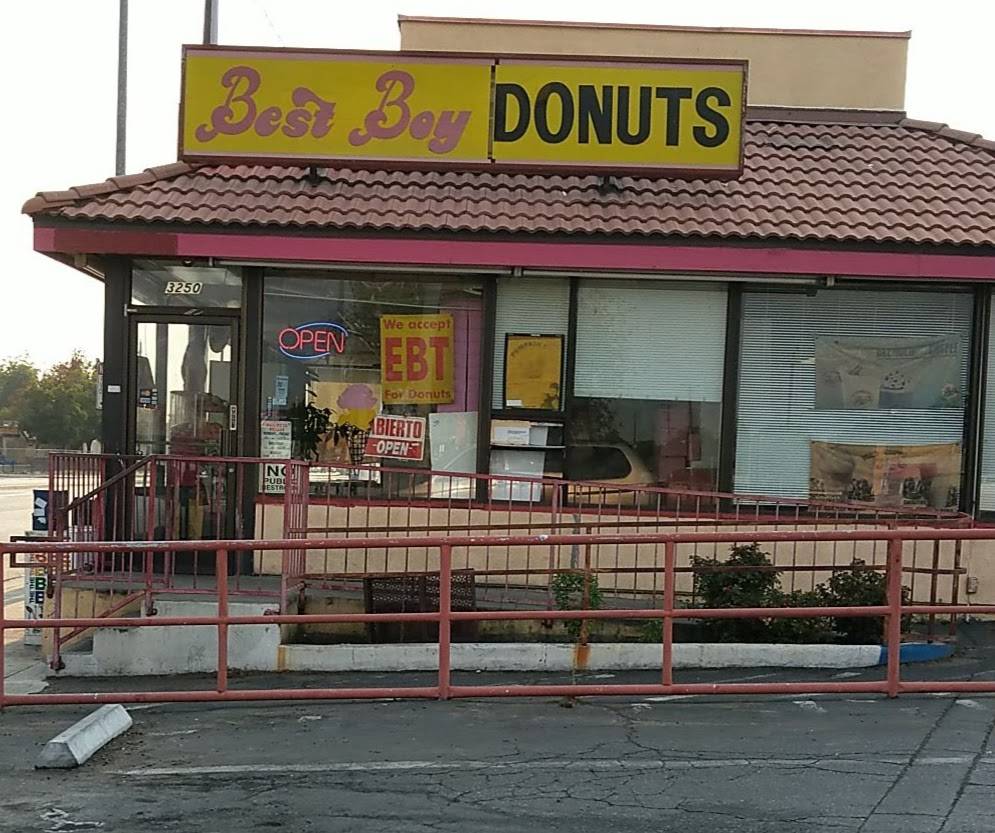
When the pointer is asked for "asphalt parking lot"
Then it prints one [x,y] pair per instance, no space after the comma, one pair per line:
[774,764]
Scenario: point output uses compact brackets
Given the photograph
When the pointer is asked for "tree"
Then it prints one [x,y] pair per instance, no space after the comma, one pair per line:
[18,378]
[61,410]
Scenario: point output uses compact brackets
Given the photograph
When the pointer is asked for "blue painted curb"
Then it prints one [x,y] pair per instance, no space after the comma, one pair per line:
[919,652]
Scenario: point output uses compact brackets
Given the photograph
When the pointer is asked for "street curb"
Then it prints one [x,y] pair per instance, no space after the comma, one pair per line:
[77,744]
[604,656]
[919,652]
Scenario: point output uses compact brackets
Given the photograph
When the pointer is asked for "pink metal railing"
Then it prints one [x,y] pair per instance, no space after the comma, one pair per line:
[894,541]
[171,498]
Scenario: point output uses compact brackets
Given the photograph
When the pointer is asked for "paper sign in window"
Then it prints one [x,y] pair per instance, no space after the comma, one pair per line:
[416,359]
[533,369]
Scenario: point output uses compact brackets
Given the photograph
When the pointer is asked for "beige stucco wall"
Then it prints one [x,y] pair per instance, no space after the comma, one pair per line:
[815,560]
[787,68]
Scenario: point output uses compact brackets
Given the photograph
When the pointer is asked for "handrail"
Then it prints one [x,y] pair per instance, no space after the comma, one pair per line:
[453,541]
[109,482]
[893,610]
[852,507]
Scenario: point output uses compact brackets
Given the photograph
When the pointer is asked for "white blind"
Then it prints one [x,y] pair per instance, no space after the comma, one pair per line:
[776,414]
[642,340]
[533,306]
[987,499]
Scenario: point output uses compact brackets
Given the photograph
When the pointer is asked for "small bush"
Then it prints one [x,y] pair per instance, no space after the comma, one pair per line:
[817,629]
[568,591]
[858,587]
[651,630]
[720,588]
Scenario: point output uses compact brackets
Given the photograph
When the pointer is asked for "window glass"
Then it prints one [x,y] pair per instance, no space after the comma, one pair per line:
[853,394]
[986,498]
[599,462]
[160,283]
[648,383]
[527,306]
[357,347]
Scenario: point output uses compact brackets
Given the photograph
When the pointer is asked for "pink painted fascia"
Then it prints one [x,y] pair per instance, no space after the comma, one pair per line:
[633,255]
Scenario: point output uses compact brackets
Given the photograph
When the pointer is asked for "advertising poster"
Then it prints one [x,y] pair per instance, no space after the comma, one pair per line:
[416,359]
[886,475]
[352,404]
[533,368]
[884,373]
[35,585]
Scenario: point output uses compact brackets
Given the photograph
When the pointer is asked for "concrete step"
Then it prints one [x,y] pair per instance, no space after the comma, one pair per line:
[178,649]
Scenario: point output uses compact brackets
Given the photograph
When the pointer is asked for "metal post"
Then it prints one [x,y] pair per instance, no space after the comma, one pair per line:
[3,624]
[221,573]
[445,620]
[122,88]
[669,592]
[210,22]
[894,578]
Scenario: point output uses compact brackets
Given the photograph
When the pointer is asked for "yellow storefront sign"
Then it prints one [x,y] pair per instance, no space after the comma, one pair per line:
[652,117]
[407,109]
[416,359]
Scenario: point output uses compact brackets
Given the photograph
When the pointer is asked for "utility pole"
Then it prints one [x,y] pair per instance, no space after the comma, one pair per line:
[122,88]
[210,22]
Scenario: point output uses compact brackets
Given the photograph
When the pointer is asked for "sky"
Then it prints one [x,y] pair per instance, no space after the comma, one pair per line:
[59,61]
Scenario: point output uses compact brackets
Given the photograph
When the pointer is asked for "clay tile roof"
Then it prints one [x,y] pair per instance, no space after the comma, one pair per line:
[820,176]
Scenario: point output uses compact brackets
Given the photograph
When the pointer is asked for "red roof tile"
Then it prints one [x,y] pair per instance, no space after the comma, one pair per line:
[855,177]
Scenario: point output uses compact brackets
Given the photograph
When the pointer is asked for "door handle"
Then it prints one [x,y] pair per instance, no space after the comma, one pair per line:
[233,417]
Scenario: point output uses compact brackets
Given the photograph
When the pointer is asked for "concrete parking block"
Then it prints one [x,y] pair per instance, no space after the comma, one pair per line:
[77,744]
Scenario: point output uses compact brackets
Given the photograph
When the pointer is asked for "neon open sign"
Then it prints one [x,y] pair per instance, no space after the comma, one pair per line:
[312,341]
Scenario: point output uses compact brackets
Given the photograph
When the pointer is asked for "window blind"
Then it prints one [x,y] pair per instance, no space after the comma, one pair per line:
[650,340]
[986,501]
[534,306]
[776,414]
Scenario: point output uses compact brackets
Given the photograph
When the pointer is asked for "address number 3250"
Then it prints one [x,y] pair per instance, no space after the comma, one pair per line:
[183,287]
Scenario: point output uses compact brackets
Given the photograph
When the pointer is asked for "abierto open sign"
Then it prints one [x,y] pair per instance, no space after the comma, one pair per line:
[399,437]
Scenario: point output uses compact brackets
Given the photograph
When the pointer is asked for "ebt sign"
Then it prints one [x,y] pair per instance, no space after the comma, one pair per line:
[417,110]
[312,341]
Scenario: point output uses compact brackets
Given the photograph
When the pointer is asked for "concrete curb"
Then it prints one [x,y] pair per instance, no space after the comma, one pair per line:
[919,652]
[614,656]
[77,744]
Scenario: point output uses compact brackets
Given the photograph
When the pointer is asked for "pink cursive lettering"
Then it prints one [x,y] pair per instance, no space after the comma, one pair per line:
[240,113]
[392,117]
[224,118]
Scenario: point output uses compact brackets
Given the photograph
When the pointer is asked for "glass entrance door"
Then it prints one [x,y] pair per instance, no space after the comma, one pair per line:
[184,387]
[184,395]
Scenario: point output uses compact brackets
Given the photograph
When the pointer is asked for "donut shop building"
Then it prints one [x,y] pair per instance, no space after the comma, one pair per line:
[684,258]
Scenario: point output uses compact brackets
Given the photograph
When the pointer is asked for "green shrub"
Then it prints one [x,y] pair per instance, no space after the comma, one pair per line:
[817,629]
[651,630]
[568,592]
[720,588]
[854,586]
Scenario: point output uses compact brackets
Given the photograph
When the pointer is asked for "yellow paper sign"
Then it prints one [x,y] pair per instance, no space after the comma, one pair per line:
[533,368]
[416,359]
[416,110]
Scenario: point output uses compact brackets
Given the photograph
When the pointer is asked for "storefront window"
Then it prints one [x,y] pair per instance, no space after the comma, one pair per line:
[534,306]
[162,283]
[647,384]
[986,498]
[343,349]
[852,394]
